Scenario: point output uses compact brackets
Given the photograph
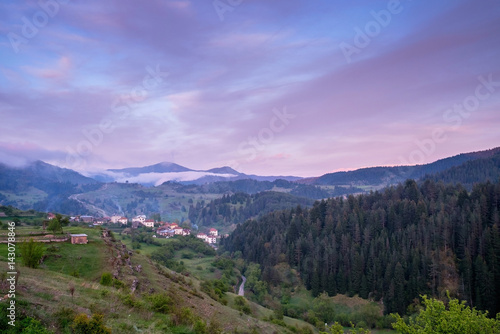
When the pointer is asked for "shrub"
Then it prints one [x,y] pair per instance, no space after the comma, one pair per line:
[64,317]
[33,326]
[31,253]
[161,302]
[242,305]
[200,327]
[457,319]
[106,279]
[118,284]
[95,325]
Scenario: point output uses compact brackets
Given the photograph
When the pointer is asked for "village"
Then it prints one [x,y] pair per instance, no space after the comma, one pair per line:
[159,228]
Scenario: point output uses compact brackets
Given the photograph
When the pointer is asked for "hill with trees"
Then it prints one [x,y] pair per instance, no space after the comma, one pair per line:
[391,246]
[237,208]
[471,172]
[383,176]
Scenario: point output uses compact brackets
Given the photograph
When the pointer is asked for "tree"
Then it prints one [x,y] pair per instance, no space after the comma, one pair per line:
[31,253]
[457,319]
[55,225]
[323,308]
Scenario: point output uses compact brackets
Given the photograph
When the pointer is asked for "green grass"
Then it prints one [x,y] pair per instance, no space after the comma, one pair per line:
[83,260]
[193,265]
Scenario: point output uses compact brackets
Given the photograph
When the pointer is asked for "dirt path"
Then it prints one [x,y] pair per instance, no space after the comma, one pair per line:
[241,292]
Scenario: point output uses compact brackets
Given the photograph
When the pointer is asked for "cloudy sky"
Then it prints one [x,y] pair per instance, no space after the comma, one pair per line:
[282,87]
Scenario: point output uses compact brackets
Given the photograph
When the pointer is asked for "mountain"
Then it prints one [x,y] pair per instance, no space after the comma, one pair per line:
[38,174]
[383,176]
[486,168]
[162,167]
[157,174]
[224,170]
[42,186]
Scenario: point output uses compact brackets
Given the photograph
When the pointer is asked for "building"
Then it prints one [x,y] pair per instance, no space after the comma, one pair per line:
[149,223]
[140,219]
[213,232]
[186,232]
[165,232]
[87,219]
[207,238]
[79,238]
[50,216]
[178,230]
[116,219]
[123,220]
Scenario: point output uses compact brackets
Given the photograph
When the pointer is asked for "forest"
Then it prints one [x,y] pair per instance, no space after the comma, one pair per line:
[391,245]
[230,209]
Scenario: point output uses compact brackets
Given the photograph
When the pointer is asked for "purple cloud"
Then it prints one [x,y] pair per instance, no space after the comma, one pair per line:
[58,93]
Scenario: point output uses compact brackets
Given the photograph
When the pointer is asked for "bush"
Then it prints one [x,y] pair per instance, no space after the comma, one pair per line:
[129,300]
[31,253]
[64,317]
[241,304]
[200,327]
[161,302]
[457,319]
[95,325]
[33,326]
[106,279]
[118,284]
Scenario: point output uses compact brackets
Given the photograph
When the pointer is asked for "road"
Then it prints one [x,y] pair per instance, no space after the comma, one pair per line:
[241,292]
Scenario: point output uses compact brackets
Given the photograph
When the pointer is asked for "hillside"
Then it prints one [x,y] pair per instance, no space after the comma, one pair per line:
[42,187]
[392,245]
[382,176]
[240,207]
[142,296]
[486,168]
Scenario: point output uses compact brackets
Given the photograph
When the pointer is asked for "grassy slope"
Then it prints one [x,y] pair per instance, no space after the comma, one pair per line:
[47,290]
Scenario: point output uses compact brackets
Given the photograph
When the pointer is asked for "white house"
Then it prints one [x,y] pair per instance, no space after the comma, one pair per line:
[207,238]
[140,219]
[179,230]
[148,223]
[115,219]
[213,232]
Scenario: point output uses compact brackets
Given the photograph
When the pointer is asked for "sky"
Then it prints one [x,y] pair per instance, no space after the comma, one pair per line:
[282,87]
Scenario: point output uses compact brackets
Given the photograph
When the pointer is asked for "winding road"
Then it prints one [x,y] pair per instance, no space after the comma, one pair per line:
[241,292]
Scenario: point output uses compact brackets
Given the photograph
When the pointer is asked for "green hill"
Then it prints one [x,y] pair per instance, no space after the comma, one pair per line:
[143,296]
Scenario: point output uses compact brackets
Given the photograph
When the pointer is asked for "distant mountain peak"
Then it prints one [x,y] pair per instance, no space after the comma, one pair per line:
[162,167]
[223,170]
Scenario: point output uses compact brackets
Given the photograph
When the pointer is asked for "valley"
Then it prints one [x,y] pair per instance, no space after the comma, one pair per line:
[352,250]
